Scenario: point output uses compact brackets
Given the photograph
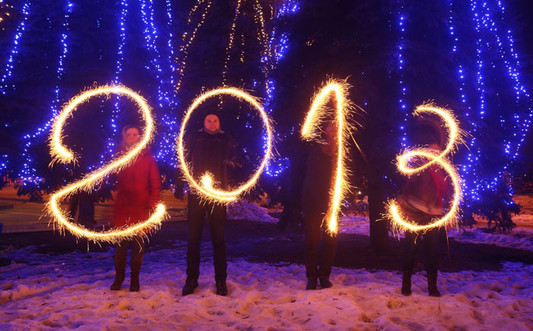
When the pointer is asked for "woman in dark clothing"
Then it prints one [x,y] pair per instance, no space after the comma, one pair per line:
[139,186]
[209,150]
[422,200]
[315,203]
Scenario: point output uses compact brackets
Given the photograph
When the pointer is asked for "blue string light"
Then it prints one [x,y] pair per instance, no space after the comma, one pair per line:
[8,70]
[402,102]
[28,172]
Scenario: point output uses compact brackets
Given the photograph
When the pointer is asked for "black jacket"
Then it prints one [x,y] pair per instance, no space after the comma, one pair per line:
[318,180]
[210,153]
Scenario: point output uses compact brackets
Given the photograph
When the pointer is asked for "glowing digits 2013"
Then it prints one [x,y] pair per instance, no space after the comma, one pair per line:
[310,131]
[399,221]
[206,189]
[62,154]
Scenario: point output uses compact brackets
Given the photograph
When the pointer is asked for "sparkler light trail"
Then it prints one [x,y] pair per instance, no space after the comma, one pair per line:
[455,136]
[206,188]
[62,154]
[310,132]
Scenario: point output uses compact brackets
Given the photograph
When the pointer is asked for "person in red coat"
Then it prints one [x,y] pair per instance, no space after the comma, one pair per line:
[139,186]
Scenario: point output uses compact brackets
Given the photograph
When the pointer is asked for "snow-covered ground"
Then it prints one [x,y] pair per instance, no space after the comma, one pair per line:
[45,291]
[71,291]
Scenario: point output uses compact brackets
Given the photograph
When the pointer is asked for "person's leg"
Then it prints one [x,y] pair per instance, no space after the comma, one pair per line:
[312,222]
[330,247]
[217,220]
[411,244]
[431,244]
[137,254]
[121,252]
[195,220]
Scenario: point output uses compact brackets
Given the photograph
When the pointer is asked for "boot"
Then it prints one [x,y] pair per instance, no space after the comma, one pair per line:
[222,288]
[406,283]
[432,284]
[136,261]
[190,285]
[311,284]
[120,270]
[325,283]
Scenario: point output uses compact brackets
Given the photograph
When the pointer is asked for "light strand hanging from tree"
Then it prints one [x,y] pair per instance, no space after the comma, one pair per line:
[28,172]
[402,102]
[10,64]
[111,148]
[488,18]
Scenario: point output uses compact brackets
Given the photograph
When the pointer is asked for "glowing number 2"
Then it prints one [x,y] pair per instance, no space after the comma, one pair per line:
[310,131]
[206,188]
[398,220]
[61,154]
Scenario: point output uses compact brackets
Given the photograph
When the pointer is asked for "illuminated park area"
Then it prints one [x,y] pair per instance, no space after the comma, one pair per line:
[358,165]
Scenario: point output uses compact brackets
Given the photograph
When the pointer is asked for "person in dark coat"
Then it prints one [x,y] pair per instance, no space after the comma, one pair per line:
[209,150]
[138,193]
[315,203]
[422,199]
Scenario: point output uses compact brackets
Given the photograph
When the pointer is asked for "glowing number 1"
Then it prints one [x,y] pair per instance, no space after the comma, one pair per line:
[61,154]
[310,131]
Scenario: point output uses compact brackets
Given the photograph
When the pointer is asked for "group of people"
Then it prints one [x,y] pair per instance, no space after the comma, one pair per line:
[212,150]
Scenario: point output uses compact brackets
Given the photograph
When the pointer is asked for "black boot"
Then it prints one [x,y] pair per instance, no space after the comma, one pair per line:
[135,286]
[325,283]
[222,288]
[406,283]
[311,284]
[432,284]
[190,285]
[120,270]
[136,261]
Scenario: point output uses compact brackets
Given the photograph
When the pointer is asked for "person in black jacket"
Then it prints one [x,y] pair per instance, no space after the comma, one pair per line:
[315,202]
[209,150]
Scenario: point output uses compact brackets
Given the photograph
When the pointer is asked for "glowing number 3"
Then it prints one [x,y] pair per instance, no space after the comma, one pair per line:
[398,220]
[206,189]
[310,131]
[62,154]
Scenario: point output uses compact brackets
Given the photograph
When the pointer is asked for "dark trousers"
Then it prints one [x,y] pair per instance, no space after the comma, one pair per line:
[216,214]
[431,243]
[314,229]
[137,254]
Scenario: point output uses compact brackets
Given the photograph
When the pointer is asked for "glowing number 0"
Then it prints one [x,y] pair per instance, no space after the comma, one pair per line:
[310,131]
[206,188]
[455,136]
[64,155]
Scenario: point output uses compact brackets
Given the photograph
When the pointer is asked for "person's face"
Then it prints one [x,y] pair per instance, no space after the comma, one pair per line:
[132,136]
[212,123]
[330,133]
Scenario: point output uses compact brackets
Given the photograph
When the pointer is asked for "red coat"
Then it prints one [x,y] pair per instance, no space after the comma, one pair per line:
[139,186]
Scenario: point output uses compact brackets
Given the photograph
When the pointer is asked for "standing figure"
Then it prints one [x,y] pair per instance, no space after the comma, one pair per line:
[422,199]
[315,203]
[209,150]
[139,186]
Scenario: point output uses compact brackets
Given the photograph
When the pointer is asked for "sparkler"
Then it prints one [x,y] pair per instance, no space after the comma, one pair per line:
[455,136]
[62,154]
[206,188]
[310,131]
